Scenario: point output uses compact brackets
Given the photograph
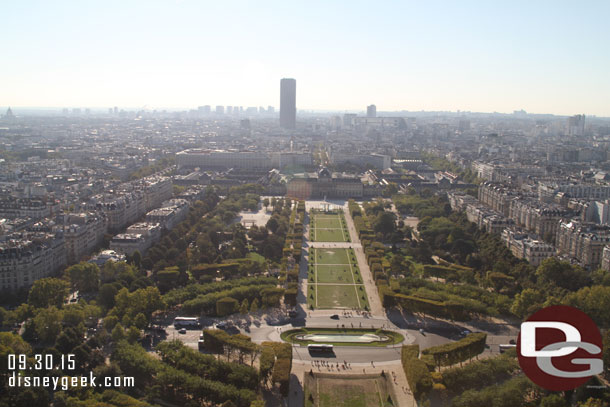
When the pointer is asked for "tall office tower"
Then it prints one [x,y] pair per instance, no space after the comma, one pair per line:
[348,119]
[371,111]
[288,103]
[220,110]
[229,109]
[270,109]
[576,125]
[116,110]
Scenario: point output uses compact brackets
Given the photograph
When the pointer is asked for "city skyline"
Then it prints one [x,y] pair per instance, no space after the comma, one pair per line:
[543,58]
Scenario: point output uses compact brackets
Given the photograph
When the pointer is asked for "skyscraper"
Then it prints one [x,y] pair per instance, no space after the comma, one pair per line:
[288,103]
[371,111]
[576,125]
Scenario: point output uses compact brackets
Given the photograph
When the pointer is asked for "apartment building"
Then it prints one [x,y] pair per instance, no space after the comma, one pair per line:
[83,232]
[583,242]
[524,246]
[139,236]
[28,256]
[169,214]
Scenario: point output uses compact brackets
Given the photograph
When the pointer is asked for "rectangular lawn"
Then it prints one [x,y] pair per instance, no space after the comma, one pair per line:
[328,235]
[337,391]
[329,228]
[334,274]
[338,296]
[330,256]
[327,222]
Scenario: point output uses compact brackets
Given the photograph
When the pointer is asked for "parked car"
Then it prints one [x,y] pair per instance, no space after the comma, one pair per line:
[182,331]
[335,316]
[223,325]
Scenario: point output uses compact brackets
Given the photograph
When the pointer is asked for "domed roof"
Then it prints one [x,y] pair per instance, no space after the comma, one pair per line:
[324,173]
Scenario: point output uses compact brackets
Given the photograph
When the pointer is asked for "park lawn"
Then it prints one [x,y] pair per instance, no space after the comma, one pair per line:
[334,274]
[325,221]
[347,392]
[330,256]
[340,296]
[329,235]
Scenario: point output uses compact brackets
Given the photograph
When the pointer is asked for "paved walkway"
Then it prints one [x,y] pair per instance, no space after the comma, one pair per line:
[367,276]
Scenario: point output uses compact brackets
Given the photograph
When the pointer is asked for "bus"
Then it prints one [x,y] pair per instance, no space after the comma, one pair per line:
[319,348]
[186,322]
[505,347]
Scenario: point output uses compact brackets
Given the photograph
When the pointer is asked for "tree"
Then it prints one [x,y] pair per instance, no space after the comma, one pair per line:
[244,307]
[226,306]
[118,333]
[272,224]
[106,295]
[526,302]
[48,291]
[140,321]
[562,274]
[254,307]
[110,322]
[47,323]
[390,189]
[168,278]
[84,277]
[133,334]
[272,247]
[67,340]
[144,300]
[73,316]
[553,400]
[397,264]
[591,402]
[594,301]
[136,258]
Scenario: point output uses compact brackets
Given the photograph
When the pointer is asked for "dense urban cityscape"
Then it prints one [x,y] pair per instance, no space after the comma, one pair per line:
[304,204]
[423,236]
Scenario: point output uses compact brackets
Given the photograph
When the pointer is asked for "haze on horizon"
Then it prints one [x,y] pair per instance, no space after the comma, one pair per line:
[543,57]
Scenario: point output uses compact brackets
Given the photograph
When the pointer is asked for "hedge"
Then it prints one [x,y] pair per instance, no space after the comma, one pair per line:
[207,303]
[282,365]
[456,352]
[438,271]
[446,309]
[216,340]
[418,375]
[211,269]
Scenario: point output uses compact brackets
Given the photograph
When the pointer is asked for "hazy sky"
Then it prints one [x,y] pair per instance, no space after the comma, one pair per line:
[541,56]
